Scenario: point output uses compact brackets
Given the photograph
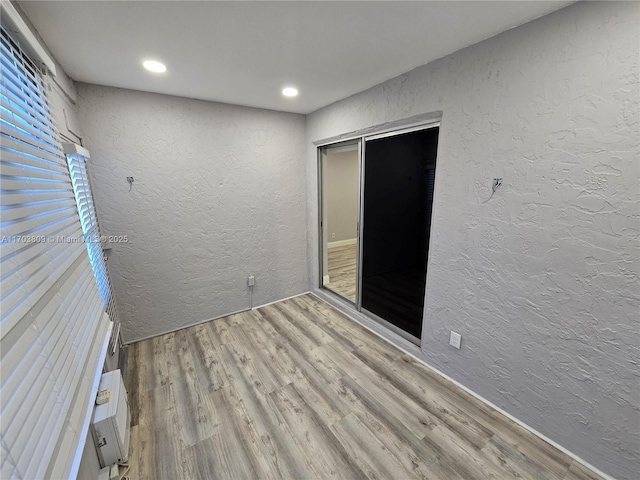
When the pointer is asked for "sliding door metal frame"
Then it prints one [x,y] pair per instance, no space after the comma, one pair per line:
[320,219]
[390,326]
[402,131]
[409,127]
[360,224]
[362,145]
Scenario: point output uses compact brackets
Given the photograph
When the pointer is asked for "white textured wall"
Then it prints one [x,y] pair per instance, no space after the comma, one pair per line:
[219,193]
[541,281]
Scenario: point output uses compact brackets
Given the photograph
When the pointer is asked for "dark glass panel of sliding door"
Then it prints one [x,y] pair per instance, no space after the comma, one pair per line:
[399,177]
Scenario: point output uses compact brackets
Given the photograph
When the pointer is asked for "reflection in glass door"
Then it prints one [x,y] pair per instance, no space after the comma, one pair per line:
[340,167]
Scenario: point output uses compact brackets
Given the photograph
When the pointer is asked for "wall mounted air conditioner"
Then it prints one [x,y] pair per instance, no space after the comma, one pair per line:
[110,425]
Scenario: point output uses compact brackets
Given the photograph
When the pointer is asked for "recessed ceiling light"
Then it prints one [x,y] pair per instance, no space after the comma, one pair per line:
[154,66]
[289,92]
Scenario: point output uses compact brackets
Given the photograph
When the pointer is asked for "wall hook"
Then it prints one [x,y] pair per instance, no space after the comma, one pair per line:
[497,182]
[130,182]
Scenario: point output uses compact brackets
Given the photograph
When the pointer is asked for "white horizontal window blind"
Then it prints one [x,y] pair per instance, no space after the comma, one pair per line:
[94,240]
[89,222]
[52,318]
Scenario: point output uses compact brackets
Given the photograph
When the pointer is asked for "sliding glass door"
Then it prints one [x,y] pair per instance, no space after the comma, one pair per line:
[387,263]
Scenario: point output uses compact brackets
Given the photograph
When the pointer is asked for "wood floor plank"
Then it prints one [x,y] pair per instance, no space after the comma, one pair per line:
[144,355]
[580,472]
[255,371]
[277,451]
[196,415]
[132,382]
[254,340]
[365,404]
[225,454]
[325,455]
[410,453]
[416,419]
[428,398]
[207,362]
[514,463]
[272,348]
[316,384]
[142,452]
[367,451]
[300,391]
[338,330]
[158,373]
[256,451]
[167,439]
[456,453]
[134,448]
[223,329]
[285,329]
[358,334]
[317,335]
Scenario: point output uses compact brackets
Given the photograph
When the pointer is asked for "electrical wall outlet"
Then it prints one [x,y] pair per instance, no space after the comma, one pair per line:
[497,182]
[251,281]
[333,235]
[455,339]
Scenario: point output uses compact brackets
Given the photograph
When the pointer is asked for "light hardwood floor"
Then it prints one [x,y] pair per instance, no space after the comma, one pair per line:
[342,270]
[296,390]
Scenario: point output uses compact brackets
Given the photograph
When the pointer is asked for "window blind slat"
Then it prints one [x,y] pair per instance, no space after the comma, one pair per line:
[17,211]
[12,367]
[25,223]
[11,102]
[59,344]
[17,99]
[10,198]
[59,231]
[18,301]
[11,156]
[33,148]
[17,183]
[14,156]
[48,425]
[19,128]
[20,106]
[23,84]
[21,269]
[21,101]
[16,56]
[19,407]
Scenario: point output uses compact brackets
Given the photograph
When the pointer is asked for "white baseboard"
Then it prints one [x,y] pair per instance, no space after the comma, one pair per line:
[198,322]
[342,243]
[281,300]
[325,280]
[413,351]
